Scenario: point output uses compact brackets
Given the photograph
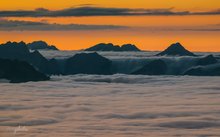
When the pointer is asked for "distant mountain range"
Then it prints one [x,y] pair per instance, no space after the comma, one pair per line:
[20,64]
[111,47]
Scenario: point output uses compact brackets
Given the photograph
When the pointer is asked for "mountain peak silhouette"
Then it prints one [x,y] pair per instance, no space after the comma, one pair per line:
[112,47]
[38,45]
[88,63]
[176,49]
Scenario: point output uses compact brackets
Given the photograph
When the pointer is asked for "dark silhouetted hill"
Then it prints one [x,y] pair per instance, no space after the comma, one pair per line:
[19,71]
[202,71]
[176,50]
[111,47]
[91,63]
[38,45]
[155,67]
[210,59]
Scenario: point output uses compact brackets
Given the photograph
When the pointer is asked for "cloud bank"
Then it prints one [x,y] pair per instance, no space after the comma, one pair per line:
[88,10]
[14,25]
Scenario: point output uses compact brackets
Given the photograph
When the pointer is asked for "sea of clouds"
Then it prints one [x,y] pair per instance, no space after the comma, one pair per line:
[112,105]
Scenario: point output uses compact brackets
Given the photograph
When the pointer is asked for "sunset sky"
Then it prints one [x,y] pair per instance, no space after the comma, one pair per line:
[78,24]
[59,4]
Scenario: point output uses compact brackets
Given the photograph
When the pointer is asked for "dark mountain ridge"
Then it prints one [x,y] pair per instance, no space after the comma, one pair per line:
[39,45]
[111,47]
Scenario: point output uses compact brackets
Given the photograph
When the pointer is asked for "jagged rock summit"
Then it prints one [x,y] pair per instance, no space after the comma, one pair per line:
[112,47]
[176,49]
[38,45]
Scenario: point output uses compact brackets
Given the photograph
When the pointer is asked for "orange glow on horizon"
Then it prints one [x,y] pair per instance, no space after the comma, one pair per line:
[60,4]
[81,40]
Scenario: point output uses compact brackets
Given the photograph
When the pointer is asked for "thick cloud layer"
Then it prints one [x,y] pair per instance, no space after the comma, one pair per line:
[9,25]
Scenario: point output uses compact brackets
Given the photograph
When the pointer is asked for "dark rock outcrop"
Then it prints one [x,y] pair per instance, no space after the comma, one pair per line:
[210,59]
[155,67]
[202,71]
[20,51]
[37,45]
[91,63]
[111,47]
[19,71]
[176,50]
